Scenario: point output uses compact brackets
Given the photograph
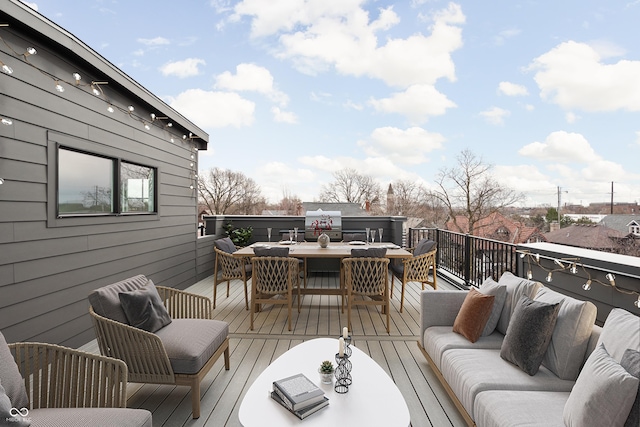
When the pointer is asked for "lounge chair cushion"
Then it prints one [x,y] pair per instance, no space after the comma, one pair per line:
[94,417]
[529,334]
[10,377]
[225,244]
[106,302]
[190,343]
[603,394]
[144,308]
[7,411]
[566,352]
[499,291]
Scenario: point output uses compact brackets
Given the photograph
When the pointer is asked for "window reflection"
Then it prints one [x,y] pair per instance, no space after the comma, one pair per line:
[136,189]
[85,183]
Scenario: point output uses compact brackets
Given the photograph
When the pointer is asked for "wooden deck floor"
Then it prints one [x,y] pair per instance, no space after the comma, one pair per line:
[251,351]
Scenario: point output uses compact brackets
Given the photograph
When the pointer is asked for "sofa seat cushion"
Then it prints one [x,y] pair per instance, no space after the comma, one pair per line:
[471,371]
[438,339]
[94,417]
[566,351]
[106,301]
[499,408]
[190,343]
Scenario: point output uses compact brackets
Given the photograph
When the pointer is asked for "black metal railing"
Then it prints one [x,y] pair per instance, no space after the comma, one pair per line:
[468,258]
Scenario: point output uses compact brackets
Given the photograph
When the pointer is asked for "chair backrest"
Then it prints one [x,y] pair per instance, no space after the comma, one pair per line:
[366,275]
[274,275]
[350,237]
[425,245]
[369,252]
[231,267]
[225,244]
[106,301]
[272,251]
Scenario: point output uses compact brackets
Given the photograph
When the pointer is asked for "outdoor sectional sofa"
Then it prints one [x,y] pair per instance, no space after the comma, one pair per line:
[586,374]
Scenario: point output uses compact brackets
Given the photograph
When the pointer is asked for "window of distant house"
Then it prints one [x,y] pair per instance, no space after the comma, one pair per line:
[635,229]
[90,184]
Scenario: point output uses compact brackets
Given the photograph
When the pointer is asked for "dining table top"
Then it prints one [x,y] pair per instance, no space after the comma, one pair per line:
[333,250]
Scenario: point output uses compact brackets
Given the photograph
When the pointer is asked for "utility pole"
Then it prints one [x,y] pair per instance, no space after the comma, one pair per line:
[611,197]
[559,199]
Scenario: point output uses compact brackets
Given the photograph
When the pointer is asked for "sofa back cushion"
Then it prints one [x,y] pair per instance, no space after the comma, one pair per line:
[10,377]
[570,337]
[516,288]
[491,287]
[620,332]
[106,302]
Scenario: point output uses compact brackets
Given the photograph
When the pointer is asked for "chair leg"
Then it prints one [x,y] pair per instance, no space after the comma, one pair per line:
[195,398]
[215,289]
[246,296]
[226,359]
[289,309]
[402,297]
[228,282]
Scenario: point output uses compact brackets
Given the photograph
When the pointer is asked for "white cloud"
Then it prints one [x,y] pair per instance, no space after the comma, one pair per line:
[573,76]
[251,77]
[318,35]
[512,89]
[214,109]
[495,115]
[418,102]
[157,41]
[408,146]
[502,36]
[350,105]
[183,69]
[571,117]
[283,116]
[561,147]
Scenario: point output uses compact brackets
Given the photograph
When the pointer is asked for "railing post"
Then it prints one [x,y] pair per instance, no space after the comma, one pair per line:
[467,259]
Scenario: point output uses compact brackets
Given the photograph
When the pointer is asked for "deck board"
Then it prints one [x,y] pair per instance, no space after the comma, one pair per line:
[321,316]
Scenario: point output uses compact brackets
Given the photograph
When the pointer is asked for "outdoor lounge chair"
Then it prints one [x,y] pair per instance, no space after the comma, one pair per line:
[51,385]
[181,345]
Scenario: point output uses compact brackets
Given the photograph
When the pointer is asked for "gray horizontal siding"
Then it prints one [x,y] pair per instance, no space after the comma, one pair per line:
[48,268]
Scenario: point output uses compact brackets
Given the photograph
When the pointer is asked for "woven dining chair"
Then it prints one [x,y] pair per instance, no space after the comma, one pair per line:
[230,268]
[366,277]
[416,268]
[272,279]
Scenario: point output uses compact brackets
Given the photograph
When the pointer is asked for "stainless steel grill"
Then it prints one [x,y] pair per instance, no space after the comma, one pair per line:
[318,222]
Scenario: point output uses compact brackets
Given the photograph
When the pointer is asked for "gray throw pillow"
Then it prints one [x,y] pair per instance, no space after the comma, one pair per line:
[529,334]
[491,287]
[12,380]
[14,417]
[602,394]
[144,308]
[369,252]
[225,244]
[425,245]
[631,362]
[277,251]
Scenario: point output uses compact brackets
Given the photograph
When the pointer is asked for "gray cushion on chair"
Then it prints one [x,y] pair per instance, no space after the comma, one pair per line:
[94,417]
[106,302]
[225,244]
[350,237]
[275,251]
[190,343]
[425,245]
[144,308]
[369,252]
[10,377]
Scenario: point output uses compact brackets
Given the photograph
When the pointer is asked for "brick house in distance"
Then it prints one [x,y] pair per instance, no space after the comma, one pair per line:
[497,227]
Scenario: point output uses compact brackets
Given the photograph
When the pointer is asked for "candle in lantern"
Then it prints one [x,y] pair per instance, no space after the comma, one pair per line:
[341,347]
[345,333]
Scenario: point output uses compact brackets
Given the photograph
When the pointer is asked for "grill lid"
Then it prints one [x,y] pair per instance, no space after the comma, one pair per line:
[318,222]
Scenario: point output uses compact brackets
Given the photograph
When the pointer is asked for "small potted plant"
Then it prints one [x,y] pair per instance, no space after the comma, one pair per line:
[326,372]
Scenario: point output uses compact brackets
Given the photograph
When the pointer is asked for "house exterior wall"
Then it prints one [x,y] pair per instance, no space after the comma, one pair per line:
[50,264]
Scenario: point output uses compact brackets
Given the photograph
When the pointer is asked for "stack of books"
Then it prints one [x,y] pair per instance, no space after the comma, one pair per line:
[299,395]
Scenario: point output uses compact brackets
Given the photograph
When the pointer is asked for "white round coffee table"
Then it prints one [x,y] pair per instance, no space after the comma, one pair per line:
[372,400]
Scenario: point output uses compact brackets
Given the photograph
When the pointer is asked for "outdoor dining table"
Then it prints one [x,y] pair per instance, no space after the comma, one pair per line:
[306,250]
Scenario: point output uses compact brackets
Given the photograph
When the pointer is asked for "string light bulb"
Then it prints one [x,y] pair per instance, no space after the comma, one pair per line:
[574,268]
[529,275]
[5,68]
[30,51]
[59,87]
[611,278]
[77,77]
[549,277]
[587,285]
[637,302]
[6,121]
[131,108]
